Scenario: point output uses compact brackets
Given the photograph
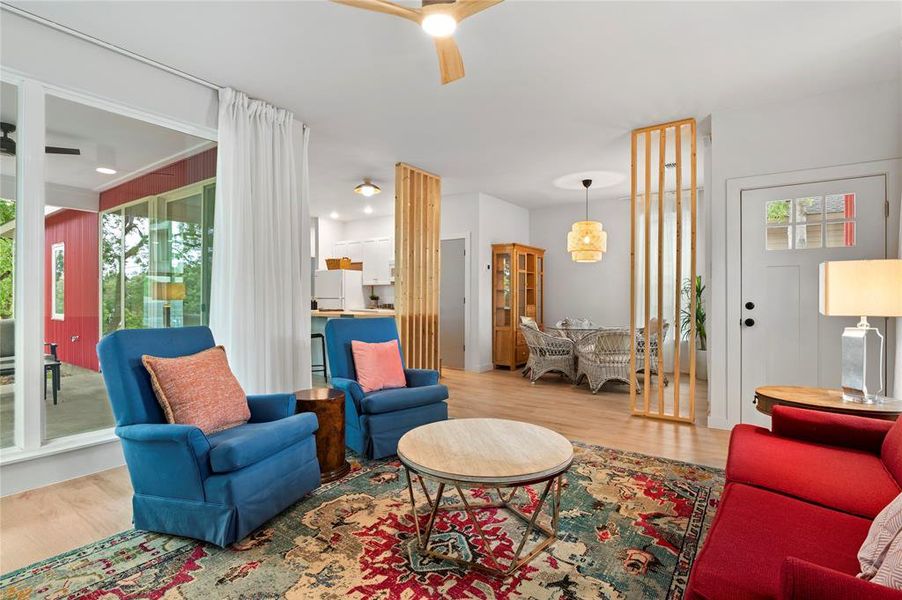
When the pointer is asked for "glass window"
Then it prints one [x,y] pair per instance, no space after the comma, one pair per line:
[8,107]
[779,238]
[809,209]
[808,236]
[58,281]
[137,262]
[778,211]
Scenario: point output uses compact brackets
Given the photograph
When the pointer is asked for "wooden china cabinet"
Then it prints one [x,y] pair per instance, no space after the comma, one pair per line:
[518,286]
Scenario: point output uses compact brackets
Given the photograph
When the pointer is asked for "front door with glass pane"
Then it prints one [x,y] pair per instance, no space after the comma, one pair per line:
[786,233]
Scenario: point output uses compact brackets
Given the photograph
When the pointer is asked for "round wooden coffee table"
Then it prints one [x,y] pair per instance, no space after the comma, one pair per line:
[328,404]
[823,399]
[486,453]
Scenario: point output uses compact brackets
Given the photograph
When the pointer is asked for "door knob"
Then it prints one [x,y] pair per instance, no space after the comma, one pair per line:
[749,322]
[749,305]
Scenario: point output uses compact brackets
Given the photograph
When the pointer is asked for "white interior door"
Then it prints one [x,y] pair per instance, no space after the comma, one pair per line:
[786,233]
[451,304]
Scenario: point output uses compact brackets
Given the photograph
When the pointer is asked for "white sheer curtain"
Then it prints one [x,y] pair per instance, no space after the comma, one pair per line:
[259,304]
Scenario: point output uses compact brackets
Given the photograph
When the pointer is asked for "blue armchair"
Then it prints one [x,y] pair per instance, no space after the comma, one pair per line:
[216,487]
[375,421]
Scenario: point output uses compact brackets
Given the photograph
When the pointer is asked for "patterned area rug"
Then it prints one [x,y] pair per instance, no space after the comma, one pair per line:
[630,528]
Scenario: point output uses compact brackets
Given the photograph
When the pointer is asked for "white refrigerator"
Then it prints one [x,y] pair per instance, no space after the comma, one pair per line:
[339,289]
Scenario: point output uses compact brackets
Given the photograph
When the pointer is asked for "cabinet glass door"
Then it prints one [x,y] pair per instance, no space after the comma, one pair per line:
[503,290]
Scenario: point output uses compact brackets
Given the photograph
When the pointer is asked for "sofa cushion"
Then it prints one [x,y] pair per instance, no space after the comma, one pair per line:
[385,401]
[755,530]
[849,480]
[238,447]
[891,452]
[198,389]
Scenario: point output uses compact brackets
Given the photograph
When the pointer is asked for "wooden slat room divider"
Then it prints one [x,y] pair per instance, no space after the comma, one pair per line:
[417,264]
[661,200]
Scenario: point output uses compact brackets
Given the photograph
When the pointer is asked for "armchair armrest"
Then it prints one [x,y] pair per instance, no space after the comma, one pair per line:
[351,389]
[802,580]
[166,460]
[271,407]
[420,377]
[859,433]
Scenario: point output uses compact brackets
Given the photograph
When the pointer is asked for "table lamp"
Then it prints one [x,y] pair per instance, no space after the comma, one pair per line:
[860,288]
[168,292]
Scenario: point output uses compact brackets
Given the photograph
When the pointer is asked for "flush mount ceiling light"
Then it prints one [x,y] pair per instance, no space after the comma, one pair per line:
[105,170]
[333,215]
[600,179]
[587,240]
[367,188]
[368,210]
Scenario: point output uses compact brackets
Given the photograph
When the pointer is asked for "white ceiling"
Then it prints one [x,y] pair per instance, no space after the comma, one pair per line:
[105,139]
[551,87]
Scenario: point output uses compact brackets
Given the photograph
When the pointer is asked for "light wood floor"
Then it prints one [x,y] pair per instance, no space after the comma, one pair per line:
[41,523]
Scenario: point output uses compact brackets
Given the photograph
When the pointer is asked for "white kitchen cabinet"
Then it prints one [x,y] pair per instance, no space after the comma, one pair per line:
[377,256]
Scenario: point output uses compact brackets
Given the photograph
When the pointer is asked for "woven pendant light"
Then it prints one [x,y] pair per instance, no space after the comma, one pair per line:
[587,241]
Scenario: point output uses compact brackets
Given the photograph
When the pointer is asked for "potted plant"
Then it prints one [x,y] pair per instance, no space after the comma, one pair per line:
[687,317]
[374,299]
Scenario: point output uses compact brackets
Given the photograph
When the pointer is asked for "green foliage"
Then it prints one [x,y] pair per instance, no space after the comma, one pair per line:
[778,212]
[686,315]
[7,252]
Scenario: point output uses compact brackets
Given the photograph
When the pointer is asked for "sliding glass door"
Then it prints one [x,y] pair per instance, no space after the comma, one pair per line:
[156,254]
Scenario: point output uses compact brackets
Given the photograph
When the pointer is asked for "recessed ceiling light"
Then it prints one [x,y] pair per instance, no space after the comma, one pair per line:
[333,215]
[106,170]
[439,24]
[367,188]
[368,210]
[600,179]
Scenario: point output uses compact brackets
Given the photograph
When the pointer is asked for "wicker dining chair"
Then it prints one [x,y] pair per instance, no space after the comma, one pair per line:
[652,348]
[548,353]
[604,356]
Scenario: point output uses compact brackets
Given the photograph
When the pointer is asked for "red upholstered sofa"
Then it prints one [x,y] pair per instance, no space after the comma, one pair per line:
[796,508]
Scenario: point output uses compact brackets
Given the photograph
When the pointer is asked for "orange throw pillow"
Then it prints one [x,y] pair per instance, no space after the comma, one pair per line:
[199,389]
[378,366]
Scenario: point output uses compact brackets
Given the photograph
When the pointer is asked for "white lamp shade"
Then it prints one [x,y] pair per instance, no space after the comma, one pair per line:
[861,288]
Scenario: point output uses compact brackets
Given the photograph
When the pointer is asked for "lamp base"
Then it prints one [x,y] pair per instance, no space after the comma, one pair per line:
[855,376]
[858,398]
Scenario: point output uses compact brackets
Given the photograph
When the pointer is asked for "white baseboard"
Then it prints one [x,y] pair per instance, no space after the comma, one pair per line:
[39,471]
[720,424]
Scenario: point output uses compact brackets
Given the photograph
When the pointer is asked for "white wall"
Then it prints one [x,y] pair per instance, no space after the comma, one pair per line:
[855,125]
[365,229]
[599,291]
[329,231]
[57,59]
[499,222]
[460,218]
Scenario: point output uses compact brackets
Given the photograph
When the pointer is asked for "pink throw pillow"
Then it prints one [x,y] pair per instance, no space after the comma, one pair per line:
[199,389]
[378,365]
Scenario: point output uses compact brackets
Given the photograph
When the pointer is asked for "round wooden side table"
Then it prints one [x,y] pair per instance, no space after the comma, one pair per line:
[328,405]
[824,399]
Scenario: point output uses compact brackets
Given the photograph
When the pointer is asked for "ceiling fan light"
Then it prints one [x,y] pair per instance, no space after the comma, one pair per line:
[439,24]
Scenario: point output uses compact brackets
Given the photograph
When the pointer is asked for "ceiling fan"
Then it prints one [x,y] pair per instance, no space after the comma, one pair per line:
[8,145]
[439,18]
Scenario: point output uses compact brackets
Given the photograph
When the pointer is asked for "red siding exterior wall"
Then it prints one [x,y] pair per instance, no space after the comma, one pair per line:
[171,177]
[78,230]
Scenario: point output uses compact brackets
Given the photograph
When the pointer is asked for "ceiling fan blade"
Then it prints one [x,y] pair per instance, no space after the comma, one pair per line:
[383,6]
[467,8]
[58,150]
[450,63]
